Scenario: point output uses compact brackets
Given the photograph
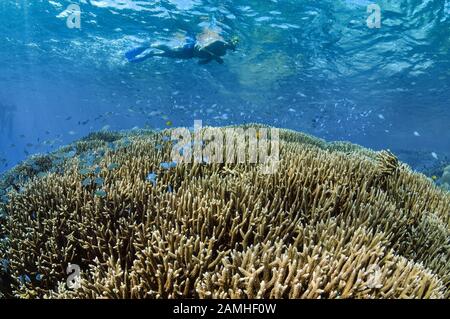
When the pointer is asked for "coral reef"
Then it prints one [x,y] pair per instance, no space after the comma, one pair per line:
[444,181]
[334,221]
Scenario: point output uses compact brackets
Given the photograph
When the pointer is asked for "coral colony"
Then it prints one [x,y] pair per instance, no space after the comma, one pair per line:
[334,220]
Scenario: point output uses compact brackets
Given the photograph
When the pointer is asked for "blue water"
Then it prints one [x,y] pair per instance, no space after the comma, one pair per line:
[313,66]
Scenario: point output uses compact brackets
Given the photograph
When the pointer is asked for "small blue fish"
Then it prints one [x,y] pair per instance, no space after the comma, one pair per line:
[5,264]
[33,215]
[38,277]
[99,181]
[151,177]
[24,279]
[71,154]
[84,171]
[100,193]
[90,160]
[41,174]
[113,166]
[165,138]
[112,146]
[169,189]
[168,165]
[86,182]
[58,161]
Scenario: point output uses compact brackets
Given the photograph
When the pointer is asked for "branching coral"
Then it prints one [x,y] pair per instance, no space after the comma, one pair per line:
[445,179]
[334,221]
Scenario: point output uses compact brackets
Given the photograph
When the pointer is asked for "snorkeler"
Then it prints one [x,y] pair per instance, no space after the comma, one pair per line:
[207,46]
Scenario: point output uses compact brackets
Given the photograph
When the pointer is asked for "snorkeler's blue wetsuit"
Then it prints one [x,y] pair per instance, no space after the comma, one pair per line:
[189,46]
[187,51]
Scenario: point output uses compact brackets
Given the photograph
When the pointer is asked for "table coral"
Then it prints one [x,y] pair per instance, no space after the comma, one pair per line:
[334,221]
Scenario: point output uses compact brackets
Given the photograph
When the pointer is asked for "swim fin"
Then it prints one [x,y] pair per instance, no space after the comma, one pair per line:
[137,54]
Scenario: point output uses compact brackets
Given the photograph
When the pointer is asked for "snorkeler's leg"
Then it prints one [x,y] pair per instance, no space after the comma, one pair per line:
[160,47]
[172,52]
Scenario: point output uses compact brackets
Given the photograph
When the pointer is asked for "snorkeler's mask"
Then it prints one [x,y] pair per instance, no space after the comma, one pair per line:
[234,42]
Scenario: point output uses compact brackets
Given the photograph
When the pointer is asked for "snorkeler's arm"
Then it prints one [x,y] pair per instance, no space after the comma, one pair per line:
[213,57]
[161,48]
[204,61]
[219,60]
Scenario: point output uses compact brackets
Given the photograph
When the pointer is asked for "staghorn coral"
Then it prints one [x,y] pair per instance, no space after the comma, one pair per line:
[334,221]
[388,164]
[105,136]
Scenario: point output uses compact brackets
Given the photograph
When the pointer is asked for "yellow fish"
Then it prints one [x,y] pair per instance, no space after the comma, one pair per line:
[434,177]
[169,123]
